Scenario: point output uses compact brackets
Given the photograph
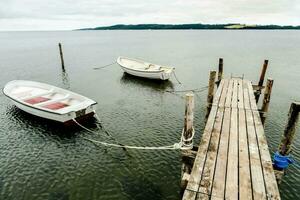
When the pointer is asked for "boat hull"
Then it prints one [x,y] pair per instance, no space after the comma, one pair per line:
[150,75]
[144,69]
[63,118]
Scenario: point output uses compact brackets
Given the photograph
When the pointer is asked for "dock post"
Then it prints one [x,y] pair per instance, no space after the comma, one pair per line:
[210,95]
[287,139]
[188,155]
[61,57]
[261,80]
[290,129]
[266,100]
[220,72]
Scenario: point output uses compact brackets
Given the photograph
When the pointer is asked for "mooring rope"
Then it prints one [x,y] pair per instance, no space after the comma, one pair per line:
[189,90]
[176,76]
[102,67]
[104,129]
[175,146]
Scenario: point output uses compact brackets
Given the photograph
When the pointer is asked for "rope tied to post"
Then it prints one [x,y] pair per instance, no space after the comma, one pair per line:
[180,145]
[187,142]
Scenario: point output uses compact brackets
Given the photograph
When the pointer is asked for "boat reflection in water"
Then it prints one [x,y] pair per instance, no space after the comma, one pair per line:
[154,84]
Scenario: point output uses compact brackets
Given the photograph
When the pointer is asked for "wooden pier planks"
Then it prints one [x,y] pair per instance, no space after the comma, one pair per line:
[233,161]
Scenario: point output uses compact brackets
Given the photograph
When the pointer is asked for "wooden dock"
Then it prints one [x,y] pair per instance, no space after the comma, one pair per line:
[233,160]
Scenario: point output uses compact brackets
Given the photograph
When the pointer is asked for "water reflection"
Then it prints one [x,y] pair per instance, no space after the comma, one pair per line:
[154,84]
[45,126]
[65,79]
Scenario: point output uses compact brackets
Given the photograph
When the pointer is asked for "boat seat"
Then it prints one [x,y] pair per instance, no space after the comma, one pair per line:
[38,95]
[153,67]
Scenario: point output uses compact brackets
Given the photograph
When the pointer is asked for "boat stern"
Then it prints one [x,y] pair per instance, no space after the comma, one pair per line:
[167,73]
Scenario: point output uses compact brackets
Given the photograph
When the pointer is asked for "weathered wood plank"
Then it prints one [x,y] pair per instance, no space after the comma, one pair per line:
[221,160]
[232,189]
[229,93]
[234,98]
[268,172]
[218,189]
[194,181]
[209,167]
[240,94]
[245,190]
[258,185]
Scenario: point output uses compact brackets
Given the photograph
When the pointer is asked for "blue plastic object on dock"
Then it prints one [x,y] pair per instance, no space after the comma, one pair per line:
[282,162]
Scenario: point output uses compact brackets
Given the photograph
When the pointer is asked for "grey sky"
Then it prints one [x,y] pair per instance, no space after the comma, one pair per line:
[72,14]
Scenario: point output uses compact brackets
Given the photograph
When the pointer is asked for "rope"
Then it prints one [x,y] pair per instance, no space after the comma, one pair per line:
[176,77]
[175,146]
[192,90]
[102,67]
[185,141]
[107,133]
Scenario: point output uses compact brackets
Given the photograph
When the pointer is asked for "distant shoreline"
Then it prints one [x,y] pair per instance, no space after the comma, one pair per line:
[192,27]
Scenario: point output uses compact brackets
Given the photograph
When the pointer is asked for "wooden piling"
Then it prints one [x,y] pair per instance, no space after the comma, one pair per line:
[288,136]
[266,100]
[188,132]
[189,118]
[220,72]
[61,57]
[210,95]
[261,80]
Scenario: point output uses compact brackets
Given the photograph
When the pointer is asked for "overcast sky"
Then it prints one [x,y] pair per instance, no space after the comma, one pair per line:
[73,14]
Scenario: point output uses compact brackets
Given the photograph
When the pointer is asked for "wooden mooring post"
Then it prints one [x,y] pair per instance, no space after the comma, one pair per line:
[266,100]
[188,155]
[61,57]
[261,80]
[210,95]
[287,139]
[220,71]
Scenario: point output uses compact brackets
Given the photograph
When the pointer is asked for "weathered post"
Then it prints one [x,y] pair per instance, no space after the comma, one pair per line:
[188,119]
[261,80]
[220,72]
[290,129]
[61,57]
[282,158]
[188,155]
[266,100]
[210,95]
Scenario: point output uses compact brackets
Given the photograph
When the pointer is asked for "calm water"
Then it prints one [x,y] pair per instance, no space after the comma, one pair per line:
[41,160]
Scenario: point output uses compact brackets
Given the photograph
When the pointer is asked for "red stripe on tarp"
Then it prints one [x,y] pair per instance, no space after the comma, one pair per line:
[56,106]
[36,100]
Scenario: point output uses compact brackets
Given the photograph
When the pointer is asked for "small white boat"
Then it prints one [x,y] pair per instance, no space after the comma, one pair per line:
[144,69]
[48,101]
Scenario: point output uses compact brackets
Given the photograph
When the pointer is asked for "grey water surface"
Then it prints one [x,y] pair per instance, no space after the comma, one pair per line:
[43,160]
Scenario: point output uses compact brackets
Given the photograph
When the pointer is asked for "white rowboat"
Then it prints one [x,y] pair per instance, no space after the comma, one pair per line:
[144,69]
[48,101]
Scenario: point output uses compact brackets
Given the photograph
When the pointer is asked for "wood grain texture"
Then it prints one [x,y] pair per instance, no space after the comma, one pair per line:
[233,160]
